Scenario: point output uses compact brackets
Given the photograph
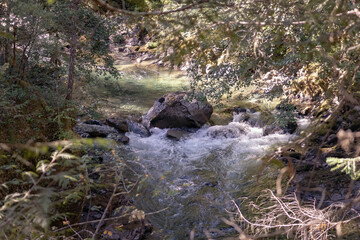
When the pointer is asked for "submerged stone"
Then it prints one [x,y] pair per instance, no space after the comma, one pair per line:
[138,128]
[176,134]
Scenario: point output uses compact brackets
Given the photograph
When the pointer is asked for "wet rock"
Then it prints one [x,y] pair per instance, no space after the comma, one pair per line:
[173,111]
[138,128]
[120,138]
[255,119]
[220,118]
[290,127]
[233,130]
[239,109]
[93,131]
[118,123]
[93,122]
[176,134]
[271,129]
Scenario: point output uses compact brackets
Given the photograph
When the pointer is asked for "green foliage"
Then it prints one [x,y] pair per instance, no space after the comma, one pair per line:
[216,81]
[152,45]
[346,165]
[34,64]
[18,216]
[230,43]
[286,114]
[37,197]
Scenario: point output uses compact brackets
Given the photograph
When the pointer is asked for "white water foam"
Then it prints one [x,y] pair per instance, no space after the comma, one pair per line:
[205,168]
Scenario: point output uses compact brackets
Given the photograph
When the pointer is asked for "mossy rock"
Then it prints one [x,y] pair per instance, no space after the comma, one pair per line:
[238,104]
[324,107]
[220,118]
[152,45]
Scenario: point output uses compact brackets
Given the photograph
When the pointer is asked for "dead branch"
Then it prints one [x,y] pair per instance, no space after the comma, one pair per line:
[285,215]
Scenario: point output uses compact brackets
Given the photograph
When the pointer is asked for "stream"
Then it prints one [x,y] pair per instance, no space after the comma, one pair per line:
[195,178]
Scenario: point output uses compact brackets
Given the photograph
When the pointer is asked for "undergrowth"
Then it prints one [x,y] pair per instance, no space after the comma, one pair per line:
[44,187]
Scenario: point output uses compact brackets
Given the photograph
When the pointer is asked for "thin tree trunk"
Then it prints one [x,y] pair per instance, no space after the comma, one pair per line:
[13,61]
[73,42]
[7,45]
[70,84]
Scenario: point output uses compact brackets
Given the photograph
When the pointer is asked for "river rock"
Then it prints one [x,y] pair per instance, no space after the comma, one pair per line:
[232,130]
[120,138]
[93,122]
[176,134]
[173,111]
[271,129]
[118,123]
[290,127]
[138,128]
[92,131]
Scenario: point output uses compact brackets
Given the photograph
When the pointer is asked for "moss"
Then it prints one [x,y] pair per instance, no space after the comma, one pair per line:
[230,106]
[220,118]
[152,45]
[324,107]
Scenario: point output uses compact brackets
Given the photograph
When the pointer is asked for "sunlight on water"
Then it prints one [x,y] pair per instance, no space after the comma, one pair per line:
[137,89]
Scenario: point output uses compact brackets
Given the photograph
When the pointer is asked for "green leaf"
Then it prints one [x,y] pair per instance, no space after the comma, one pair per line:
[70,178]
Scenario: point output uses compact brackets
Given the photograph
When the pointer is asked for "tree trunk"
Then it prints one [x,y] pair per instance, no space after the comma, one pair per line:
[70,84]
[68,123]
[73,43]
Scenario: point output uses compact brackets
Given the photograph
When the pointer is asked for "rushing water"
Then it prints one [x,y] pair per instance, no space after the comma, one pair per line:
[195,178]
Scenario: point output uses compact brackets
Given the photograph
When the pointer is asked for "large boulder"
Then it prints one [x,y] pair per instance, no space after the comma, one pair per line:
[174,111]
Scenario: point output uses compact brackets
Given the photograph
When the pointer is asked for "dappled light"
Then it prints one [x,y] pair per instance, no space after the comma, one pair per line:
[172,119]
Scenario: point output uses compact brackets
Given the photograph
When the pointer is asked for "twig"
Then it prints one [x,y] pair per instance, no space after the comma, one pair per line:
[76,233]
[303,220]
[5,235]
[106,210]
[242,235]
